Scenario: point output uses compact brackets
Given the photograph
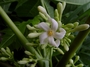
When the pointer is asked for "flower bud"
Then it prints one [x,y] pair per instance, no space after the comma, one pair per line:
[29,27]
[42,10]
[8,50]
[66,47]
[81,27]
[33,35]
[68,40]
[56,15]
[60,51]
[3,58]
[80,65]
[71,61]
[71,36]
[28,53]
[4,51]
[68,65]
[26,59]
[43,16]
[33,65]
[22,62]
[70,25]
[60,8]
[76,24]
[64,4]
[30,60]
[76,59]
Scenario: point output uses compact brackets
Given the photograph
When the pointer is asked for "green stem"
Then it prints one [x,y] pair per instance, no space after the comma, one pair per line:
[18,32]
[74,46]
[21,36]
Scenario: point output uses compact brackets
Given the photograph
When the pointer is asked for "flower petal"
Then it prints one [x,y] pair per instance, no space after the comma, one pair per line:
[54,24]
[57,42]
[61,34]
[52,42]
[43,38]
[43,26]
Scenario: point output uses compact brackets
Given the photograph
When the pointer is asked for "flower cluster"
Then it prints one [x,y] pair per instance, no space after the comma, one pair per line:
[74,62]
[52,33]
[6,54]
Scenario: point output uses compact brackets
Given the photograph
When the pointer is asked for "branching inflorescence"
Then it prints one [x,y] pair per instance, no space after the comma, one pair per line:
[50,36]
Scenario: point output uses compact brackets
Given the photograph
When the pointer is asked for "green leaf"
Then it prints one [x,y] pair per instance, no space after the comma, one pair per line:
[22,26]
[77,2]
[86,7]
[35,20]
[49,8]
[27,8]
[8,38]
[85,58]
[3,2]
[6,4]
[20,3]
[75,13]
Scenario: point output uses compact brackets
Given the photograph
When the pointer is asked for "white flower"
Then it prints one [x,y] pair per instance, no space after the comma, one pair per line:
[50,33]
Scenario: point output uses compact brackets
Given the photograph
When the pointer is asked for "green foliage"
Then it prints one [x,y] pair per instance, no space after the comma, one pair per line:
[77,2]
[85,52]
[25,12]
[77,14]
[49,8]
[27,8]
[9,37]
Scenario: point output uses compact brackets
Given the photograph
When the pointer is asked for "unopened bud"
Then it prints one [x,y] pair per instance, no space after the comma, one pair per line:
[80,65]
[3,58]
[60,8]
[25,59]
[71,61]
[60,51]
[28,53]
[64,4]
[30,60]
[22,62]
[76,24]
[29,27]
[42,10]
[33,65]
[69,40]
[71,36]
[70,25]
[56,15]
[76,59]
[33,35]
[81,27]
[43,16]
[66,47]
[4,51]
[8,50]
[68,65]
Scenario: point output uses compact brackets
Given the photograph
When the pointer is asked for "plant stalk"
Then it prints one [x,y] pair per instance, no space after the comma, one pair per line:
[75,45]
[18,32]
[22,38]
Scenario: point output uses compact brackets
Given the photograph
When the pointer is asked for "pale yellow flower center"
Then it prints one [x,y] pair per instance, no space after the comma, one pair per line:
[50,33]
